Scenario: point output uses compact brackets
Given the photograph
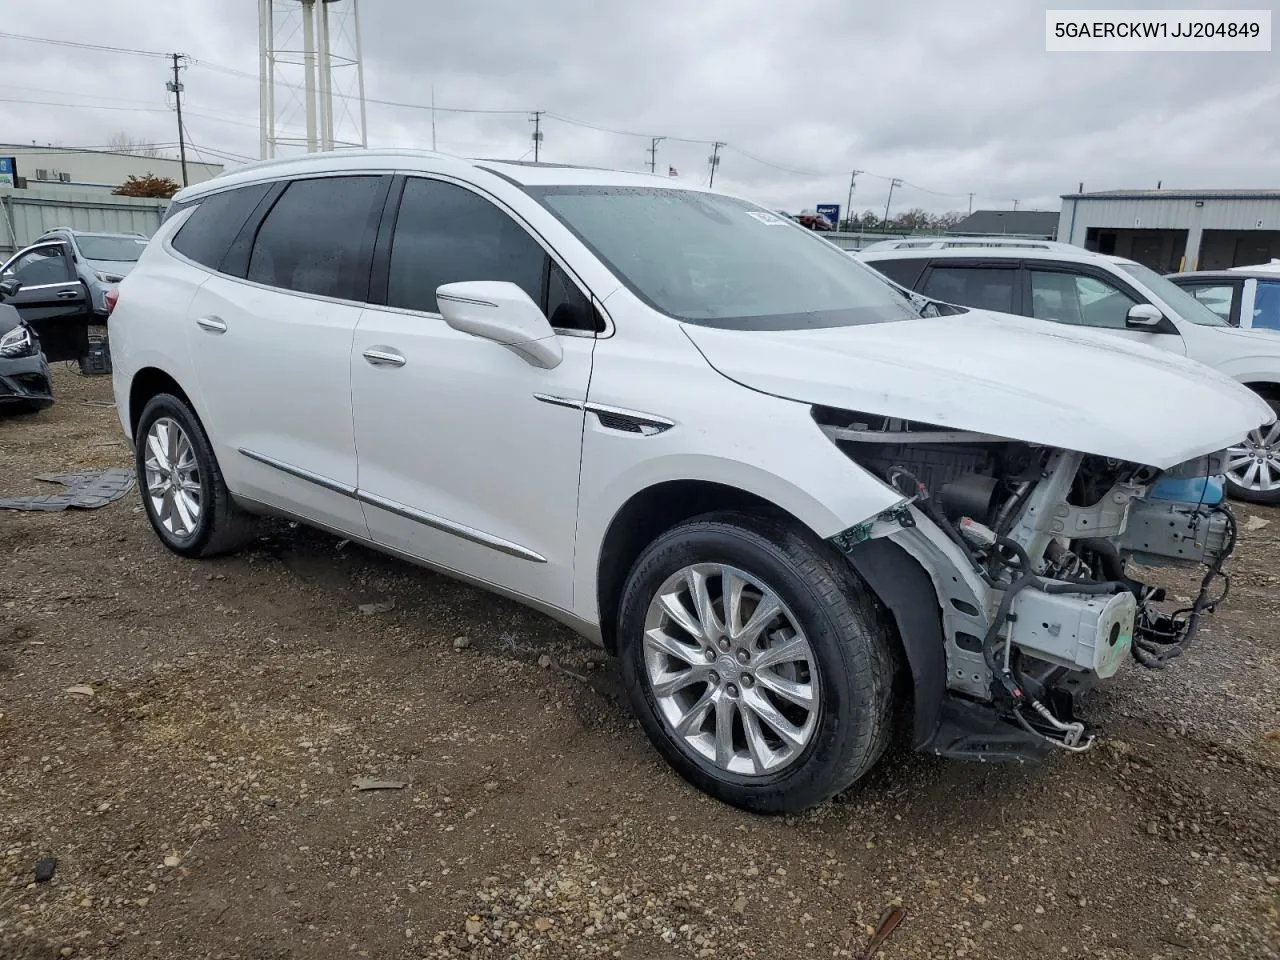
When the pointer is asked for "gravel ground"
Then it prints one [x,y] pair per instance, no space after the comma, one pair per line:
[197,790]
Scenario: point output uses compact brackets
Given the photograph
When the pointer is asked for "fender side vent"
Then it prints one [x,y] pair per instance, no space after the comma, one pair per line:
[616,421]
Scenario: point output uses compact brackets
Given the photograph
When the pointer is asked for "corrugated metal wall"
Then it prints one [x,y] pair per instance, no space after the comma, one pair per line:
[25,214]
[1159,213]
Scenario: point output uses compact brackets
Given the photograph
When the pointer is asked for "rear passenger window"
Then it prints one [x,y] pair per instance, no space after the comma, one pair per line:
[318,237]
[905,271]
[446,234]
[209,231]
[987,288]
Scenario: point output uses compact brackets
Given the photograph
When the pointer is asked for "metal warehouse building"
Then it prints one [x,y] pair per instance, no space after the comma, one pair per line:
[1172,230]
[94,171]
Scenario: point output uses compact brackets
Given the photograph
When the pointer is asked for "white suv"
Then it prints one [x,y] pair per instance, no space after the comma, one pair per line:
[1116,297]
[694,431]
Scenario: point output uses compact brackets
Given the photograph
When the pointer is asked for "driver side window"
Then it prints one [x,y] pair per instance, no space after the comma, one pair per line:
[445,233]
[1079,300]
[43,265]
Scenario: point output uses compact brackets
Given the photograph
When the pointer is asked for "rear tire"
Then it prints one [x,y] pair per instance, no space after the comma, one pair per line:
[828,646]
[1260,452]
[183,492]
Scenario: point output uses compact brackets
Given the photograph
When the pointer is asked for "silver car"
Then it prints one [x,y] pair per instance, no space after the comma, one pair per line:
[101,260]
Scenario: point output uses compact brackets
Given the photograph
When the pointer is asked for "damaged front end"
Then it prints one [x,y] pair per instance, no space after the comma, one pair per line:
[1031,552]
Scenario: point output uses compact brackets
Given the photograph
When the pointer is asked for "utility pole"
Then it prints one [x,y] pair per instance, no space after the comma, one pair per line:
[433,118]
[1015,204]
[848,206]
[971,203]
[537,132]
[653,153]
[174,86]
[895,182]
[714,160]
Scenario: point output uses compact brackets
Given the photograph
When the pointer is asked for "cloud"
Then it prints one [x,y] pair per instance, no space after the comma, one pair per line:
[953,97]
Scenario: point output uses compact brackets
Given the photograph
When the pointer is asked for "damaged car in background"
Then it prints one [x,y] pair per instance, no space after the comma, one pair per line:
[25,384]
[799,511]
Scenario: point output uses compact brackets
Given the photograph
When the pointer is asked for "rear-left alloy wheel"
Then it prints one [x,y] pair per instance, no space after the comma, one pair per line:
[183,492]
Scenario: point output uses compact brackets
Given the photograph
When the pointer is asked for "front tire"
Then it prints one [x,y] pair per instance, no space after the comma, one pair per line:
[1253,466]
[183,492]
[757,662]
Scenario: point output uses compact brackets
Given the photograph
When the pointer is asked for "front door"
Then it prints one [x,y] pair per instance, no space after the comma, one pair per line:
[51,299]
[469,455]
[1084,298]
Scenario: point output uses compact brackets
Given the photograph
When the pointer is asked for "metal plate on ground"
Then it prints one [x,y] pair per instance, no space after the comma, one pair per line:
[84,491]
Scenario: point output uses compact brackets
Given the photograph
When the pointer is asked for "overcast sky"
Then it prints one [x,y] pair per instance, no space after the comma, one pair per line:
[952,96]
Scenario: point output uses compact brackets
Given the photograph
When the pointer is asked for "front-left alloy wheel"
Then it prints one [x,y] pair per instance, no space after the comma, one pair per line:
[757,662]
[183,492]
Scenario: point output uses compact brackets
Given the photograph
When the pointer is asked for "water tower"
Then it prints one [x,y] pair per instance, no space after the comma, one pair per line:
[311,76]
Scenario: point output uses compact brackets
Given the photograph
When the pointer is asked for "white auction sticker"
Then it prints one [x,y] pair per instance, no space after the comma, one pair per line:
[1141,31]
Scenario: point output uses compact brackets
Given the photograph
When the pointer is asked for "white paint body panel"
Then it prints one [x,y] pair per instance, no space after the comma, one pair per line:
[1000,375]
[457,434]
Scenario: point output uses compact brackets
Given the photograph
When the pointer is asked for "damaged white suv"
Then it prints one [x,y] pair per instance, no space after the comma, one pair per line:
[798,512]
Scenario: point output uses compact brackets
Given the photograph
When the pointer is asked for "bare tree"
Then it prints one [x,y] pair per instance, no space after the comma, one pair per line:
[123,143]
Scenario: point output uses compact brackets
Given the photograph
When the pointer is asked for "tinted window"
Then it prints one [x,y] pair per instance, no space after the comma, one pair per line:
[987,288]
[1083,301]
[217,219]
[1266,306]
[717,261]
[446,234]
[318,237]
[567,307]
[42,265]
[905,271]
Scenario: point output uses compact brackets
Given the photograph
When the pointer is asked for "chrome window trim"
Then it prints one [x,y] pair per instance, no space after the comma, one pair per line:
[167,246]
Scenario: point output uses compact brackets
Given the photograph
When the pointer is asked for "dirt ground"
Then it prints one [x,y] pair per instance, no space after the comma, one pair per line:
[199,803]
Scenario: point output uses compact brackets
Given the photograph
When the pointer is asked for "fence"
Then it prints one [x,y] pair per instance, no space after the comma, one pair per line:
[26,214]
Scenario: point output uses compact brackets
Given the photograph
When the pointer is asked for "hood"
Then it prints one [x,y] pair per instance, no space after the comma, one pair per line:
[118,268]
[1006,376]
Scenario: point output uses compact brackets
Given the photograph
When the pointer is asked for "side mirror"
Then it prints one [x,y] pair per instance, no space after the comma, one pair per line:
[10,287]
[501,312]
[1144,316]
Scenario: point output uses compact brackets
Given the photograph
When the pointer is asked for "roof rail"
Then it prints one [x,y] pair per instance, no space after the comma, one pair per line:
[342,151]
[962,242]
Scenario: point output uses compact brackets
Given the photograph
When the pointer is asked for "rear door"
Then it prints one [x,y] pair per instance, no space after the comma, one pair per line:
[269,336]
[983,283]
[51,299]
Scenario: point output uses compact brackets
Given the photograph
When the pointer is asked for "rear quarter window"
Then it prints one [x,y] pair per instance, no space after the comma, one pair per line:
[210,230]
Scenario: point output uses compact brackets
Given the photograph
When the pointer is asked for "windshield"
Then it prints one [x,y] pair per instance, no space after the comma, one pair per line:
[720,262]
[121,249]
[1187,306]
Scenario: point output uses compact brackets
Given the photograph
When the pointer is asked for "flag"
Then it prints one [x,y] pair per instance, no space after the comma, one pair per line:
[671,172]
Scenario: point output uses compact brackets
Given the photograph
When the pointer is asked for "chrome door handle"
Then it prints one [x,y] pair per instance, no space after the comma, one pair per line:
[68,294]
[383,358]
[212,324]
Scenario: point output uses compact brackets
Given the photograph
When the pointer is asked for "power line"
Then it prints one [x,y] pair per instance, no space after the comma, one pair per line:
[85,106]
[83,46]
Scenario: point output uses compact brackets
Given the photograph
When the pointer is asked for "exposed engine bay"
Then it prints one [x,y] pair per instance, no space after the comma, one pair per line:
[1031,550]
